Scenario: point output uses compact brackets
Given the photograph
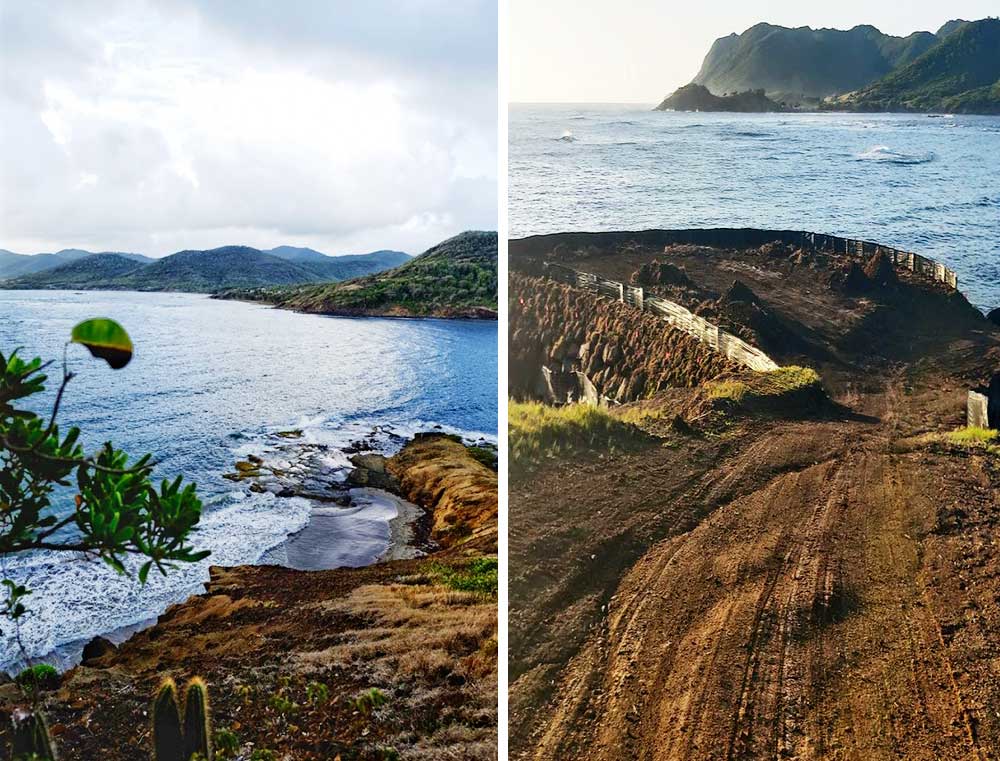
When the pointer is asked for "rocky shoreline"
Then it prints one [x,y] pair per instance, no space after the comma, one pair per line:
[411,626]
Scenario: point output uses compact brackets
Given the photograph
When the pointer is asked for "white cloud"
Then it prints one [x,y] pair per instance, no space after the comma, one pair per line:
[155,127]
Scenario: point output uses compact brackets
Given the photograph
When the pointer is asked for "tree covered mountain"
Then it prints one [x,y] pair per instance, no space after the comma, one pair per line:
[15,265]
[956,69]
[455,278]
[960,74]
[805,63]
[194,271]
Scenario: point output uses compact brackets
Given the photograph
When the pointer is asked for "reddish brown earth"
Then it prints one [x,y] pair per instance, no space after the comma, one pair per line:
[801,585]
[260,635]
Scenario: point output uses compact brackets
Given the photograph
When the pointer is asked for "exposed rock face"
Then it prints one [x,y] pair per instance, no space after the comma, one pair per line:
[370,470]
[994,316]
[96,649]
[627,354]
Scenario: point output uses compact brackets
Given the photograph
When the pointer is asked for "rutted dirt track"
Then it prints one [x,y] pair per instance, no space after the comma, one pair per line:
[805,589]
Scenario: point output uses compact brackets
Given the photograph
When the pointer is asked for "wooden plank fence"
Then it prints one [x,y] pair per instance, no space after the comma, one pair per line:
[902,259]
[676,315]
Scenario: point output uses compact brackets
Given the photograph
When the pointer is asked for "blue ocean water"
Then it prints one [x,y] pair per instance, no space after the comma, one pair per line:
[926,184]
[209,381]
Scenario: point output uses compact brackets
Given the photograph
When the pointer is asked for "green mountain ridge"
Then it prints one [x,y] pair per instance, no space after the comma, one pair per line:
[805,63]
[193,270]
[961,74]
[455,278]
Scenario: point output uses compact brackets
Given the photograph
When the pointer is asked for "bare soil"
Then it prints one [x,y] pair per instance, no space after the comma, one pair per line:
[811,585]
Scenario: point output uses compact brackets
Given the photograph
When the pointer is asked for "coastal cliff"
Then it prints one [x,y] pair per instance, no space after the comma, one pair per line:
[419,633]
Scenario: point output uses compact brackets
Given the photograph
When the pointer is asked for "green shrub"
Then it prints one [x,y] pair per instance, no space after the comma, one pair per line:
[478,576]
[41,676]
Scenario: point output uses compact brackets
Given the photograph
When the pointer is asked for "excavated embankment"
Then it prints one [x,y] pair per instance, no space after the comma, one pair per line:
[625,353]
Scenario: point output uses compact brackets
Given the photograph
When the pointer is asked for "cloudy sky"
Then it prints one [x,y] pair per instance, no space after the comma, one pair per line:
[638,51]
[170,124]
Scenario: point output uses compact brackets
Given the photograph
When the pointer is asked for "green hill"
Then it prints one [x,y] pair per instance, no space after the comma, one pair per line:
[801,64]
[456,278]
[193,271]
[698,98]
[17,265]
[79,273]
[960,74]
[344,267]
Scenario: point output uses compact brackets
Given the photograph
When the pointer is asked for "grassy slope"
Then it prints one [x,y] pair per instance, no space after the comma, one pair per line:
[454,278]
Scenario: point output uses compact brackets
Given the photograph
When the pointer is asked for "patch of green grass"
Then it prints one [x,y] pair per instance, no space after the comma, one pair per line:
[784,380]
[478,576]
[972,436]
[733,391]
[537,432]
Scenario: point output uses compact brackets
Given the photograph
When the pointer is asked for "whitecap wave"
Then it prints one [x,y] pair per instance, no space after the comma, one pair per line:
[567,137]
[74,598]
[887,155]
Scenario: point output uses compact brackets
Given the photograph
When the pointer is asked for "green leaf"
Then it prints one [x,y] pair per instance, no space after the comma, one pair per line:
[105,339]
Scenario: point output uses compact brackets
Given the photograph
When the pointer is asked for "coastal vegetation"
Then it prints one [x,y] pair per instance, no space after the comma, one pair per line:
[455,278]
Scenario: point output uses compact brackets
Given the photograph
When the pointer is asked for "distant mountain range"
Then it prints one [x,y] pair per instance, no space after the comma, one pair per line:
[455,278]
[193,271]
[956,69]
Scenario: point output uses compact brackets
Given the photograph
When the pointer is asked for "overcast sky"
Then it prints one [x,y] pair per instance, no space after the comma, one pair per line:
[638,51]
[159,126]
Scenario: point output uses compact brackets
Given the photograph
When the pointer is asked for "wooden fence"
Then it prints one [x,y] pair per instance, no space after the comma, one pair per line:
[677,316]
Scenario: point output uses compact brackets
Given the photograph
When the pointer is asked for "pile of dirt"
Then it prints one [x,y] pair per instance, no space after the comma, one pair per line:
[881,271]
[660,273]
[626,354]
[394,659]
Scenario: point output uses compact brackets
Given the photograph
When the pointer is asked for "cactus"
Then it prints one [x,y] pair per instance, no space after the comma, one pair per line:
[197,724]
[168,743]
[173,741]
[31,737]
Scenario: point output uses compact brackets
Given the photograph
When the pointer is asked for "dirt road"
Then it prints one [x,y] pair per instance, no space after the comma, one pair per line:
[808,589]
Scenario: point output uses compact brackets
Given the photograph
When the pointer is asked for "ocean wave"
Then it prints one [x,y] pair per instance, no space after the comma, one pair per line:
[885,154]
[567,137]
[74,599]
